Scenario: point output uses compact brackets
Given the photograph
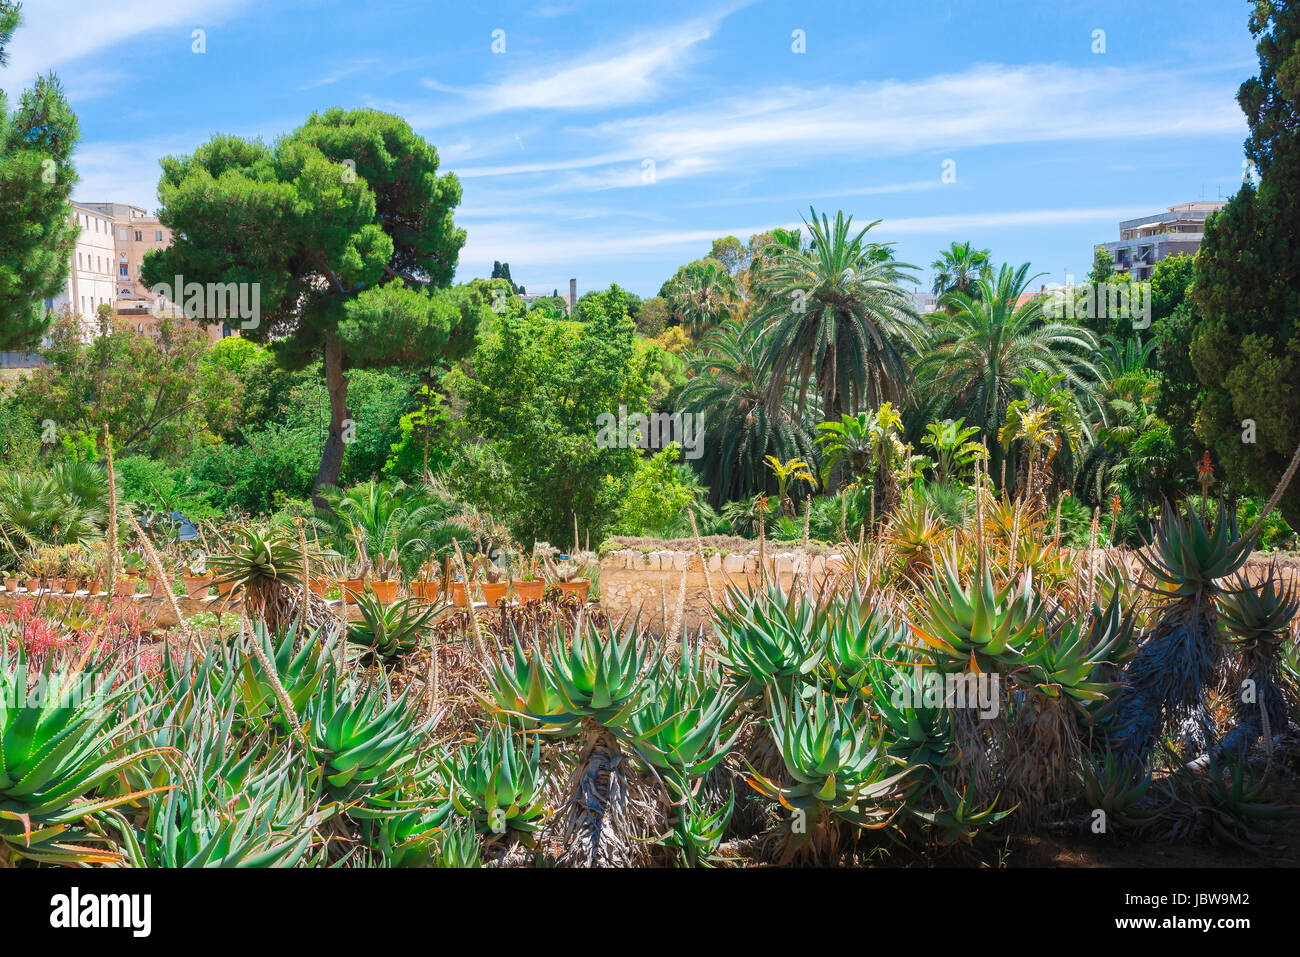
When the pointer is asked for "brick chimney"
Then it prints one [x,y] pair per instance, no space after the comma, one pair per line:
[573,295]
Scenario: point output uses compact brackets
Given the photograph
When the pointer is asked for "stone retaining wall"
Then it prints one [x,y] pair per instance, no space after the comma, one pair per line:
[649,584]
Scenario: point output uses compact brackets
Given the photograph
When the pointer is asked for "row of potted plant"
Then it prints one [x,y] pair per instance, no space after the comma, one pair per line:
[60,568]
[494,578]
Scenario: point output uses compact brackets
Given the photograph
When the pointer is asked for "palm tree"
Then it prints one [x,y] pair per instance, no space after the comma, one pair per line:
[729,387]
[958,268]
[993,338]
[836,311]
[702,294]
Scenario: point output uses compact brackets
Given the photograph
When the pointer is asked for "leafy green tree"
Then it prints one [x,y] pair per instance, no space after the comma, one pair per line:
[37,231]
[835,313]
[501,270]
[535,390]
[1246,345]
[346,227]
[657,495]
[148,388]
[652,320]
[1103,267]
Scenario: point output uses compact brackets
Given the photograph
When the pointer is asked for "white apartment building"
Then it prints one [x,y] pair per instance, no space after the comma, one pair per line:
[106,266]
[90,276]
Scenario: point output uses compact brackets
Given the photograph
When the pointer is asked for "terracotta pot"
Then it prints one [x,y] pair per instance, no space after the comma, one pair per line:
[11,584]
[152,583]
[529,590]
[385,591]
[494,593]
[33,584]
[458,596]
[125,587]
[96,586]
[224,588]
[579,588]
[352,587]
[197,588]
[427,590]
[318,586]
[71,585]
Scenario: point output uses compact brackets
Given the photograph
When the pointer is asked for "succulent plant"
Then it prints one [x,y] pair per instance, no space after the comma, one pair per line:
[390,631]
[769,639]
[834,762]
[499,784]
[62,737]
[977,624]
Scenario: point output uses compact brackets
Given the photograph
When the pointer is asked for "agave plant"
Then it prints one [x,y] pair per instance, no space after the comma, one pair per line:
[1118,789]
[1165,681]
[1258,621]
[769,639]
[499,785]
[977,626]
[836,767]
[390,631]
[61,738]
[362,734]
[681,727]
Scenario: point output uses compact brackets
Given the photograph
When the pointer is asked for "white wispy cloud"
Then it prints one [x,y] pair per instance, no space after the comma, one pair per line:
[59,32]
[986,105]
[632,72]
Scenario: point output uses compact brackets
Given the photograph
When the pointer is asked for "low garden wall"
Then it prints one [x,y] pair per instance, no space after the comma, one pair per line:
[648,584]
[645,580]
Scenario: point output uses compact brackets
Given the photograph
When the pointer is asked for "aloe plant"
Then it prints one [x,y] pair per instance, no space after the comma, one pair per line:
[684,726]
[390,631]
[835,765]
[977,625]
[62,736]
[769,639]
[499,785]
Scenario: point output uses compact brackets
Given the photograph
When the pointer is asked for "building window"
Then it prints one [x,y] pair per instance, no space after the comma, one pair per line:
[138,235]
[121,270]
[157,235]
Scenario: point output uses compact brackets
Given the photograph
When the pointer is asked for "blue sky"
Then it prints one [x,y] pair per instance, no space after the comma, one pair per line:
[553,139]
